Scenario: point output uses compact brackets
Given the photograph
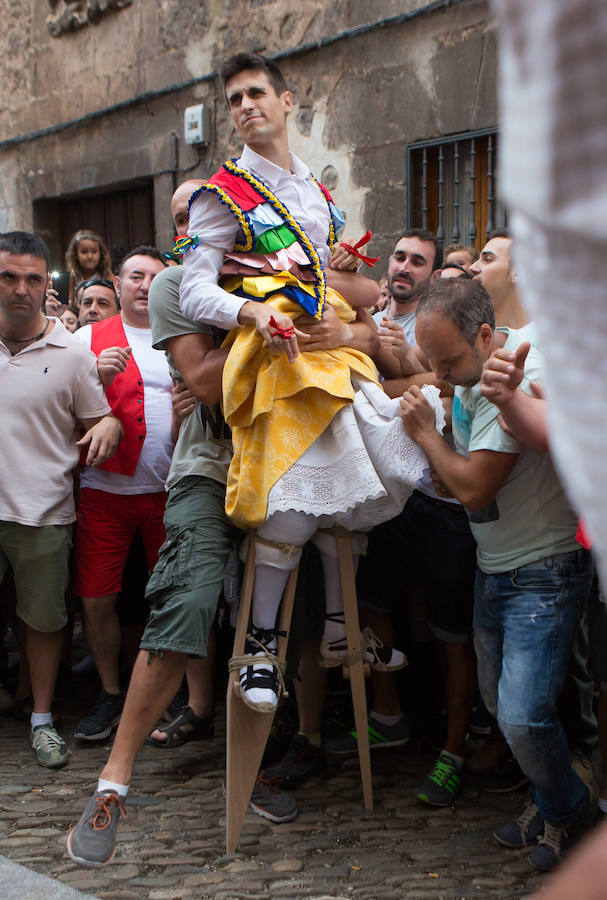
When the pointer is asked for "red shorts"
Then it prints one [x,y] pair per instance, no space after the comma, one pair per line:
[104,534]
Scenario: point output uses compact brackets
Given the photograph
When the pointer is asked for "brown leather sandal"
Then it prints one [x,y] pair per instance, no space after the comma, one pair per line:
[185,727]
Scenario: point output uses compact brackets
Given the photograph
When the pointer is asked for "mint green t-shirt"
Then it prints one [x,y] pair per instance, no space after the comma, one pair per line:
[530,518]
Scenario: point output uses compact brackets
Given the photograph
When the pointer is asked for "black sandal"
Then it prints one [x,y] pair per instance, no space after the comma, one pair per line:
[177,736]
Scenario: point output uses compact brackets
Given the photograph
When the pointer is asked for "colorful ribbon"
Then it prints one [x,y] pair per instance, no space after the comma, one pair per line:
[369,260]
[185,242]
[285,333]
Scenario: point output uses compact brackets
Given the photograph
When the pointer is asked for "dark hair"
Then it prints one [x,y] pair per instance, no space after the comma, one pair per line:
[95,281]
[143,250]
[423,235]
[241,62]
[20,243]
[464,272]
[104,266]
[499,232]
[465,302]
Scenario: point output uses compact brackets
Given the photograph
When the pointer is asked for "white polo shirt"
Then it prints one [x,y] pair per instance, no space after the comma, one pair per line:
[45,388]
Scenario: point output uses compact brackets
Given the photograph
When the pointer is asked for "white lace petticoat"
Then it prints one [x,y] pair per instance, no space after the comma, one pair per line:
[363,467]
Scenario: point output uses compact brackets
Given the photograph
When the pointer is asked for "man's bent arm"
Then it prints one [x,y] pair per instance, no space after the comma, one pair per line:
[331,332]
[102,436]
[526,418]
[395,387]
[476,480]
[200,297]
[357,289]
[200,364]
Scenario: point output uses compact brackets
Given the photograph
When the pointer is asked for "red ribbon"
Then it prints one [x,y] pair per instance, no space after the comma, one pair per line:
[369,260]
[285,333]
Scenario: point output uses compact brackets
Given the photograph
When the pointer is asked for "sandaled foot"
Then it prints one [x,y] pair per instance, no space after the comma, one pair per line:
[185,727]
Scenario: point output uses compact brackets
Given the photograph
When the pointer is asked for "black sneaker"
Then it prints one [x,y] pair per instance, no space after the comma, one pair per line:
[443,784]
[267,801]
[504,779]
[93,841]
[480,721]
[101,719]
[300,762]
[521,832]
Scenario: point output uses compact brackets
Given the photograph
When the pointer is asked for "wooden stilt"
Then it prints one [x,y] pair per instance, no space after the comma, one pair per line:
[356,669]
[247,731]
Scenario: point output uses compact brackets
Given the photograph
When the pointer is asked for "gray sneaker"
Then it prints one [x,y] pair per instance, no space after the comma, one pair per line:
[272,804]
[93,841]
[50,748]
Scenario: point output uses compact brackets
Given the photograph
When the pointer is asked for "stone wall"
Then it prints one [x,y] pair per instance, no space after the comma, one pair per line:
[359,100]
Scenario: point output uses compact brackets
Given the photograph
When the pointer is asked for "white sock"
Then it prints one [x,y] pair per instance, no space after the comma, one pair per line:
[458,760]
[120,789]
[267,594]
[385,720]
[40,719]
[334,631]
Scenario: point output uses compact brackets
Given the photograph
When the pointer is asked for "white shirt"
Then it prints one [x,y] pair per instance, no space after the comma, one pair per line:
[46,389]
[155,459]
[200,297]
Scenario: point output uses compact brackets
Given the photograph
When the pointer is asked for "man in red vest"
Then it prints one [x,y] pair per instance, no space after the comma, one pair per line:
[127,493]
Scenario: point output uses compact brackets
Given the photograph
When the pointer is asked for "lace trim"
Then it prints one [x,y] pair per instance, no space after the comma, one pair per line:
[365,487]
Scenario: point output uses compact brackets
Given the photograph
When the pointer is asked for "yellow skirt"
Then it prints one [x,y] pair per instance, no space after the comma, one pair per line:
[277,409]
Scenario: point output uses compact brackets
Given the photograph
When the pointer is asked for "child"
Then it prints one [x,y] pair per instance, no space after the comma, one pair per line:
[87,256]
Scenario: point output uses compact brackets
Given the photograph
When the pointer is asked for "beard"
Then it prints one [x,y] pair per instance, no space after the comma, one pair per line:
[404,293]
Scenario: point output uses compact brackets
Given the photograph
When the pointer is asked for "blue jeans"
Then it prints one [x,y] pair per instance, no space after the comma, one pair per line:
[525,621]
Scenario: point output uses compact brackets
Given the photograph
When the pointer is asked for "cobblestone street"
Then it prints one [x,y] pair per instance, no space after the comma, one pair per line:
[172,843]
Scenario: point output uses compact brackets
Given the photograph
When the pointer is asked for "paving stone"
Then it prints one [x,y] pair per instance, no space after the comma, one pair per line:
[241,865]
[124,837]
[12,842]
[170,894]
[118,895]
[204,878]
[288,865]
[491,882]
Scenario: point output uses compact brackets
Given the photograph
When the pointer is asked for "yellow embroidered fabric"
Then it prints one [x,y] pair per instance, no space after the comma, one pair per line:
[277,409]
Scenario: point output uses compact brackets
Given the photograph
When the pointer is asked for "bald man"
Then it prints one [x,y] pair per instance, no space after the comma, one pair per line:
[179,204]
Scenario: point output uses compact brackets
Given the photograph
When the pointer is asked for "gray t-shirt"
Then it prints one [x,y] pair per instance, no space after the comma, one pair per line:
[204,446]
[530,517]
[406,322]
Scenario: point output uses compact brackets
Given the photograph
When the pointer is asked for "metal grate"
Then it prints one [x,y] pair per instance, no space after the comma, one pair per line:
[452,187]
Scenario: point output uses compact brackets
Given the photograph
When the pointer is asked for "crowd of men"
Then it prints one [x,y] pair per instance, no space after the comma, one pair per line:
[485,547]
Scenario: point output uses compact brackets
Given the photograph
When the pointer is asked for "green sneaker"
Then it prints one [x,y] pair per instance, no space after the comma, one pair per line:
[380,735]
[50,748]
[442,785]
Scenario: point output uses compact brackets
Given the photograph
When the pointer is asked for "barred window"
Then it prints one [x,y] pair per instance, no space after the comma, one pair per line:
[452,187]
